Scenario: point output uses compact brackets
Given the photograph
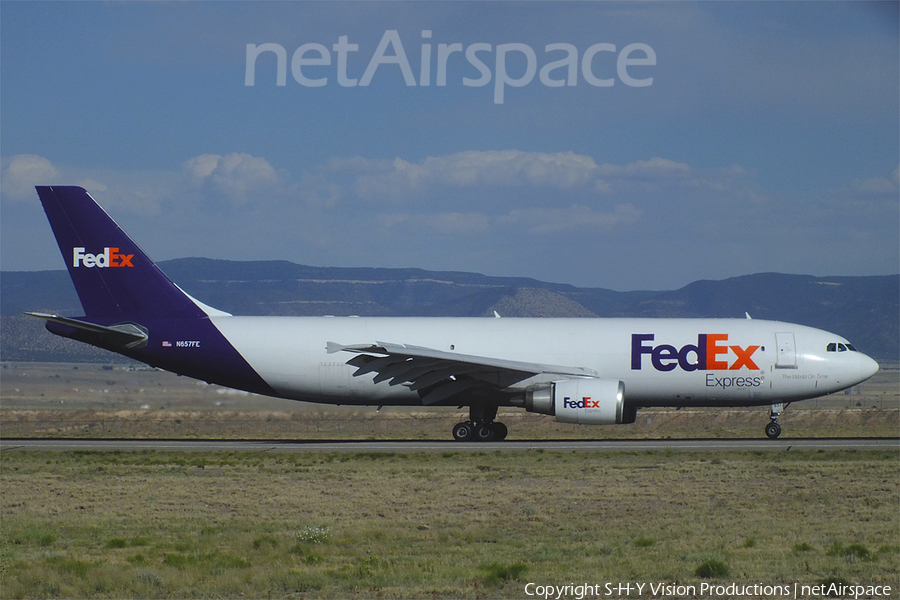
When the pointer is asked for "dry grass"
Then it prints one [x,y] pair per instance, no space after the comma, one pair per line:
[400,424]
[161,525]
[167,525]
[54,399]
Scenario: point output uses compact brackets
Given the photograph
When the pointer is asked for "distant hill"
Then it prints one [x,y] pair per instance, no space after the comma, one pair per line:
[866,310]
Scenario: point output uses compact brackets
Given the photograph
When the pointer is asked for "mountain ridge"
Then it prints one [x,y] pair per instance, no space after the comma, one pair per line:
[864,309]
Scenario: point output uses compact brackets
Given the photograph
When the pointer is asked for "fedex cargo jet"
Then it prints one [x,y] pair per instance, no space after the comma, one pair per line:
[587,371]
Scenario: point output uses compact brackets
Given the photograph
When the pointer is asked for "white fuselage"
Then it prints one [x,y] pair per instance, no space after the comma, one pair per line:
[662,362]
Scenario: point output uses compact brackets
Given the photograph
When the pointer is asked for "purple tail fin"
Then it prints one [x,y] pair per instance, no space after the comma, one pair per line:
[112,275]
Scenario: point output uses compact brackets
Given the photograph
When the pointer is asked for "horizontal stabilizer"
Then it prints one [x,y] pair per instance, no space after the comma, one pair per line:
[124,335]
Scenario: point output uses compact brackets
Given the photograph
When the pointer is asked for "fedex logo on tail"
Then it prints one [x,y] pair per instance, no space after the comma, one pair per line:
[110,257]
[710,353]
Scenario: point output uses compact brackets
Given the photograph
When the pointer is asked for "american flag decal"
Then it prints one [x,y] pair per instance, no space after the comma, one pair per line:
[167,344]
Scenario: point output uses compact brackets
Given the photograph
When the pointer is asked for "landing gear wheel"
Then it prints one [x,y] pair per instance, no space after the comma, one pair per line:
[500,431]
[463,432]
[773,430]
[485,433]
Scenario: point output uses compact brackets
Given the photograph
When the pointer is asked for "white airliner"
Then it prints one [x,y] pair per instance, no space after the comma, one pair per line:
[587,371]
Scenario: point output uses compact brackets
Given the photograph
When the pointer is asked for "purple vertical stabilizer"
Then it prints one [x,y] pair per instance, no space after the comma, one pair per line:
[112,275]
[130,306]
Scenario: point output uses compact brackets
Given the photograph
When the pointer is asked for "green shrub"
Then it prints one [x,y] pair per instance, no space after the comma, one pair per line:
[497,573]
[226,561]
[711,569]
[265,540]
[150,578]
[852,552]
[834,580]
[79,568]
[179,561]
[35,535]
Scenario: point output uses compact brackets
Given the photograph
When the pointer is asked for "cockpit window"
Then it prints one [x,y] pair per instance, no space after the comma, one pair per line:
[839,347]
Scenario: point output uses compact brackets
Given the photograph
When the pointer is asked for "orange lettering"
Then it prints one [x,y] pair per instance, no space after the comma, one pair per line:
[712,350]
[743,357]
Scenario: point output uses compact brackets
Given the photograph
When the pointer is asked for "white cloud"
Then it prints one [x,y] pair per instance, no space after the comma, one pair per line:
[93,186]
[878,192]
[494,176]
[534,221]
[236,176]
[500,192]
[315,189]
[399,179]
[563,170]
[655,168]
[861,204]
[23,172]
[197,169]
[657,176]
[875,185]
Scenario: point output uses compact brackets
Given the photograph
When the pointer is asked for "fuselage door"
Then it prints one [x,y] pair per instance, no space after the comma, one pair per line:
[334,379]
[787,353]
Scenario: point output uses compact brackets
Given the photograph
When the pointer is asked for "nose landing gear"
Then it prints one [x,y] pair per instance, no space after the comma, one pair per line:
[773,429]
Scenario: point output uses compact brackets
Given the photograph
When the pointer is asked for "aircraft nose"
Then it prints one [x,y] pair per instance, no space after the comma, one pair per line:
[868,367]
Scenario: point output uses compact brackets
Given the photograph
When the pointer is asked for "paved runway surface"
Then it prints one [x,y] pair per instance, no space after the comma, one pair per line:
[705,445]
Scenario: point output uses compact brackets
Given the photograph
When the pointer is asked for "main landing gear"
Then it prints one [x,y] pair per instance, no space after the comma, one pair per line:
[481,426]
[773,429]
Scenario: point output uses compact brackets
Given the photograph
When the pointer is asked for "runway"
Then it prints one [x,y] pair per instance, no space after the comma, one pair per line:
[696,445]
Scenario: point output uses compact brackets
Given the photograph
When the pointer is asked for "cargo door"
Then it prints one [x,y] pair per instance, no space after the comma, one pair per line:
[787,352]
[334,379]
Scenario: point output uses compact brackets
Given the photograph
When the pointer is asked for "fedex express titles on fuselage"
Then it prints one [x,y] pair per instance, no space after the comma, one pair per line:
[712,352]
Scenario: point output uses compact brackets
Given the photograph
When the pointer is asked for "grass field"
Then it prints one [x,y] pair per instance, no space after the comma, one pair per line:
[415,525]
[455,525]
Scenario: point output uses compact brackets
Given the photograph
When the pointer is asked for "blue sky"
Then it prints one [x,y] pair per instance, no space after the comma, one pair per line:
[727,138]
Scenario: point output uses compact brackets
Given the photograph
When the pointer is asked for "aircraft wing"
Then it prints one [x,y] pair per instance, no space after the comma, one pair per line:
[441,375]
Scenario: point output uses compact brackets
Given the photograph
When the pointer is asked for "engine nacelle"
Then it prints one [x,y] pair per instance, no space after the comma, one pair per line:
[583,401]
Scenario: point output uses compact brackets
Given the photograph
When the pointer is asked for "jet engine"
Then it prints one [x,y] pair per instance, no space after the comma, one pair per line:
[583,401]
